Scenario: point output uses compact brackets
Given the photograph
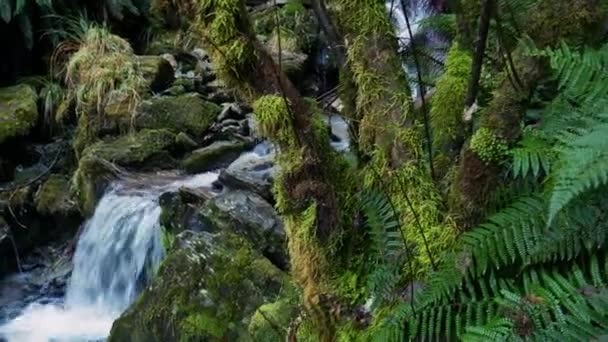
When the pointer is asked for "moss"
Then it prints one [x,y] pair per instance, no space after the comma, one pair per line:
[186,113]
[447,103]
[274,119]
[429,231]
[488,146]
[207,289]
[271,321]
[212,156]
[107,82]
[95,165]
[54,196]
[18,111]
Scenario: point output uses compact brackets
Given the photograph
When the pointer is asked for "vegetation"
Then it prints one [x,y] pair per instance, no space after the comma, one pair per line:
[474,210]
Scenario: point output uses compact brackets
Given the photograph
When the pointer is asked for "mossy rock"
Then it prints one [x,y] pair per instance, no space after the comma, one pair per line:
[18,111]
[185,113]
[271,321]
[54,197]
[144,149]
[207,289]
[157,71]
[247,214]
[219,153]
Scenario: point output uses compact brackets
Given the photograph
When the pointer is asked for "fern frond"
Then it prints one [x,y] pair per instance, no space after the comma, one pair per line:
[532,155]
[584,166]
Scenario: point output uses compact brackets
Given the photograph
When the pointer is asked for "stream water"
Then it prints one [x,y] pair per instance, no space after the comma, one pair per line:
[117,253]
[120,246]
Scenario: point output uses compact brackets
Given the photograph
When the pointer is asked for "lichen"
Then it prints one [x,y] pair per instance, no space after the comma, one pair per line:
[489,147]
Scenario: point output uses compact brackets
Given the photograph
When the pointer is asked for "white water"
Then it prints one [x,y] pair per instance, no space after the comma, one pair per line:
[119,250]
[417,11]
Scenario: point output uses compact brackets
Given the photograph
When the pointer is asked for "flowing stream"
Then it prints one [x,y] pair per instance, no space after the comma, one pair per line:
[118,252]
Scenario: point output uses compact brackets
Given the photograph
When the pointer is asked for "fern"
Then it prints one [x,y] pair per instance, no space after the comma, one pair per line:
[533,156]
[584,166]
[386,245]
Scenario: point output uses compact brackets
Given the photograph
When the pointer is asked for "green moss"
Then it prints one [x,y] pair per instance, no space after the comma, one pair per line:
[274,120]
[212,156]
[186,113]
[489,147]
[424,222]
[18,111]
[136,149]
[54,196]
[271,321]
[202,324]
[447,103]
[207,289]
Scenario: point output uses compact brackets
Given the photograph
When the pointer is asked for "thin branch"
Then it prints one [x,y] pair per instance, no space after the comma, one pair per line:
[425,115]
[477,63]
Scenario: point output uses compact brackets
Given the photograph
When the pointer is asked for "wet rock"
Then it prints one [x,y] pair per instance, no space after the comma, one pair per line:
[185,113]
[249,215]
[219,153]
[146,149]
[183,140]
[251,172]
[231,111]
[18,111]
[207,289]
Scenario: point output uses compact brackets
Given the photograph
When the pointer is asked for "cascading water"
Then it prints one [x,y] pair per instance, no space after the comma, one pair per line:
[117,253]
[417,12]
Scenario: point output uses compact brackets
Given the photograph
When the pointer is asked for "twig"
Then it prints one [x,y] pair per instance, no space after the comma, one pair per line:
[425,114]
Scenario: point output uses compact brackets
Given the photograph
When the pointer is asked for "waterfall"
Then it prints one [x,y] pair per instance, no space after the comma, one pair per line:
[417,11]
[117,253]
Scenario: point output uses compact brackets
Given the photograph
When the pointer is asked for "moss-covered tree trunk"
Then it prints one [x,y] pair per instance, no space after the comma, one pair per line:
[306,191]
[481,169]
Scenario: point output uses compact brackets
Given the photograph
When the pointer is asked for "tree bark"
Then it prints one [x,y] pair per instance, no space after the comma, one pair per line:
[482,37]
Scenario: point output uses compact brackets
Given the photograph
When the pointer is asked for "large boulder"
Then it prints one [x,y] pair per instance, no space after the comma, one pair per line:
[207,289]
[249,215]
[216,155]
[146,149]
[187,113]
[18,111]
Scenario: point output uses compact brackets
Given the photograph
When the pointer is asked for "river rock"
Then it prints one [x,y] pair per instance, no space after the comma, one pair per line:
[251,172]
[207,289]
[249,215]
[219,153]
[187,113]
[146,149]
[18,111]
